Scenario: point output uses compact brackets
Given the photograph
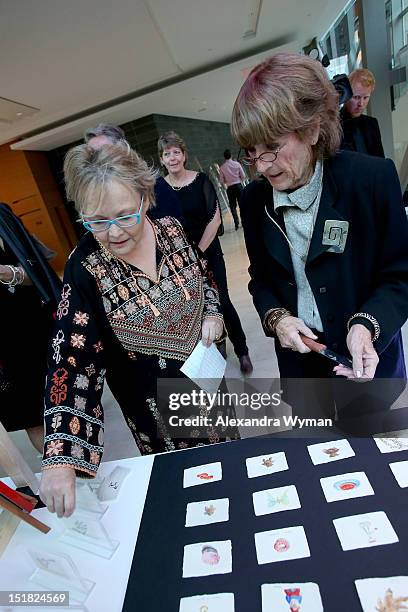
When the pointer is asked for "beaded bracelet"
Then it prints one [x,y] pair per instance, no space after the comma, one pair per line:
[373,321]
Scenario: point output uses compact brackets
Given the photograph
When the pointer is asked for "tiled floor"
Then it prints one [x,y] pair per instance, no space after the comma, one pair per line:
[118,441]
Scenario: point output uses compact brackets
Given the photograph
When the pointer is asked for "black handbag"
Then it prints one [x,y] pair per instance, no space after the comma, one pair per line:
[221,229]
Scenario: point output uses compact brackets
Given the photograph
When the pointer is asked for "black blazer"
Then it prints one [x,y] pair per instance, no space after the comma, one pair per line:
[29,256]
[371,275]
[369,130]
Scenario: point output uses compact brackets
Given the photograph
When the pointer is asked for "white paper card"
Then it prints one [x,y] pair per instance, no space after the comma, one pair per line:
[391,445]
[202,474]
[282,597]
[207,512]
[275,500]
[220,602]
[281,545]
[384,594]
[207,559]
[326,452]
[266,464]
[346,486]
[400,471]
[364,530]
[205,366]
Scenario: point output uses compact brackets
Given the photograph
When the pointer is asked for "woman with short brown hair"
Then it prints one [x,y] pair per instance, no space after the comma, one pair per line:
[326,232]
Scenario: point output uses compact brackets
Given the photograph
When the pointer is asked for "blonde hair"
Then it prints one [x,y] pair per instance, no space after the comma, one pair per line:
[88,172]
[287,93]
[171,139]
[363,76]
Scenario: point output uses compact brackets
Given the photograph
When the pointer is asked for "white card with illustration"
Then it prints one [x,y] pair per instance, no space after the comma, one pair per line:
[207,559]
[391,445]
[291,597]
[383,594]
[365,530]
[266,464]
[346,486]
[276,500]
[202,474]
[400,471]
[207,512]
[218,602]
[281,545]
[327,452]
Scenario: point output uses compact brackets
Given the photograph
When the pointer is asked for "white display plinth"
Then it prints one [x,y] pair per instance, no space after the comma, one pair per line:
[120,520]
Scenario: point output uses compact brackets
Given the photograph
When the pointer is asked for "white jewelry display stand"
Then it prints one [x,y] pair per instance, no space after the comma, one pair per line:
[88,534]
[58,572]
[98,557]
[87,501]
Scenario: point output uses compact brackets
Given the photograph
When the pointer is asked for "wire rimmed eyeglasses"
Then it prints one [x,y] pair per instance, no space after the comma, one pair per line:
[103,225]
[267,157]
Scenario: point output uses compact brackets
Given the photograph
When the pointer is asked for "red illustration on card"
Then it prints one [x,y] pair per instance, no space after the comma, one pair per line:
[281,545]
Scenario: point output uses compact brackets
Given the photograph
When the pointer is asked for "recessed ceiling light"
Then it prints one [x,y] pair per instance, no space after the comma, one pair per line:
[10,110]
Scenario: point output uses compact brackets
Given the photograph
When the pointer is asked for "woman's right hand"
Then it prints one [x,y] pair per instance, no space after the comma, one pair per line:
[57,490]
[288,330]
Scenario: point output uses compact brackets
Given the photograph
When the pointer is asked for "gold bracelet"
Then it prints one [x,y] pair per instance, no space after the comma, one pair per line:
[273,316]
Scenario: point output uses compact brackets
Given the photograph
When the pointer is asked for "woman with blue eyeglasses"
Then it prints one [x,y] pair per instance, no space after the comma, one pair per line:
[135,302]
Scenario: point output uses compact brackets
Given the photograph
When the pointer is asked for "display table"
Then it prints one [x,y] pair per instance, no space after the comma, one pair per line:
[145,573]
[156,582]
[121,520]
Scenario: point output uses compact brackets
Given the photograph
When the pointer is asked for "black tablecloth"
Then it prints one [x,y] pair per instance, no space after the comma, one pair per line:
[155,581]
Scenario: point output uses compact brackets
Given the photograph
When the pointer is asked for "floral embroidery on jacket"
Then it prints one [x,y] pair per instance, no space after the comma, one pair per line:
[63,306]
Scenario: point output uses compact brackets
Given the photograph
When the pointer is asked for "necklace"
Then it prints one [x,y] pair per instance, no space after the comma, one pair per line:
[175,187]
[302,256]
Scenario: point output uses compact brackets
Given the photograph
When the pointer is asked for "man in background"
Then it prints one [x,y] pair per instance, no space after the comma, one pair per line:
[360,132]
[103,134]
[231,175]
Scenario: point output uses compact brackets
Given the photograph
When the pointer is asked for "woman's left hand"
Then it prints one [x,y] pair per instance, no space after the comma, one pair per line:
[365,358]
[211,330]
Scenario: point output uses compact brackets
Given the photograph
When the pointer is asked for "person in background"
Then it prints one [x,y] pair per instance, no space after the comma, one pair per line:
[29,293]
[360,132]
[134,305]
[327,244]
[103,134]
[106,134]
[231,176]
[196,204]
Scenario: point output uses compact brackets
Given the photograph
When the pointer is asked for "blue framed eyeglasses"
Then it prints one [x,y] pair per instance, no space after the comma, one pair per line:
[103,225]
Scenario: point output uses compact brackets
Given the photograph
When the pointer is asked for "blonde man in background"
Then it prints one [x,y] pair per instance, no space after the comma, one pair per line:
[360,132]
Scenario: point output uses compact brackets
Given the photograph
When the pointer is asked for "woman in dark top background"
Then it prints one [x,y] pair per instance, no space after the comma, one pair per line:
[195,204]
[29,291]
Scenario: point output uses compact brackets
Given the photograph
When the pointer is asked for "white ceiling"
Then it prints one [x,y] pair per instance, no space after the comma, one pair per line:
[85,61]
